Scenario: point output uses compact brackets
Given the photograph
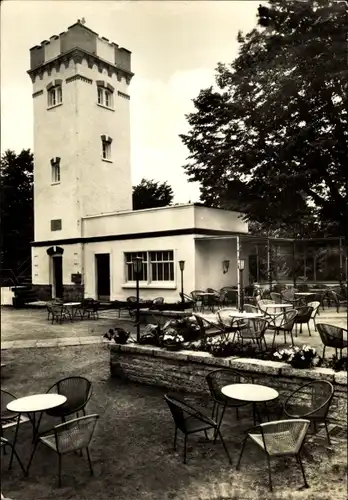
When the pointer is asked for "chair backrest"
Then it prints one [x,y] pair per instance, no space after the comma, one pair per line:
[218,379]
[255,327]
[6,398]
[75,434]
[77,391]
[288,319]
[315,306]
[313,399]
[158,300]
[261,303]
[187,298]
[331,335]
[224,317]
[284,436]
[304,313]
[196,294]
[181,411]
[288,294]
[276,297]
[250,308]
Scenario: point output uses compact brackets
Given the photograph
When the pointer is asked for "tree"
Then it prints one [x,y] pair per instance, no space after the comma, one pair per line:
[17,218]
[151,194]
[271,140]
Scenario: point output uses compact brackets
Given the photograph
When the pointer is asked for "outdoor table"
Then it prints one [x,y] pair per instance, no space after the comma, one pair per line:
[253,393]
[304,294]
[245,315]
[73,306]
[276,306]
[37,403]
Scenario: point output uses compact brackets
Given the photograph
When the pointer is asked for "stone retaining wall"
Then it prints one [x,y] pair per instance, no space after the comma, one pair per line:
[186,371]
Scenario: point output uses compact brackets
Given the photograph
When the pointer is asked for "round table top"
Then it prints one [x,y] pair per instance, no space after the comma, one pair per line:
[266,306]
[72,303]
[250,392]
[37,402]
[305,293]
[246,315]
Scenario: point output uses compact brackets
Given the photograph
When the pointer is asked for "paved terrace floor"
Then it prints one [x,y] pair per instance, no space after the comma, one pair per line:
[29,327]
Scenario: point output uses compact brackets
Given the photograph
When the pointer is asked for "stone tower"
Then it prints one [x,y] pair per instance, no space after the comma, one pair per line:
[81,131]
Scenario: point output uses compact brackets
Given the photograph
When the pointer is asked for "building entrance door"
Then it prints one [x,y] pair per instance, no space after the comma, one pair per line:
[103,276]
[58,276]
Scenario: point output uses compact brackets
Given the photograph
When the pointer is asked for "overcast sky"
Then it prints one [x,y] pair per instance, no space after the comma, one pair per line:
[175,47]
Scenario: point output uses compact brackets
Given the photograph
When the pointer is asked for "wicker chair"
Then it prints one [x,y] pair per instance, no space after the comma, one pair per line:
[9,418]
[249,308]
[90,308]
[198,299]
[218,379]
[311,401]
[72,436]
[5,442]
[232,325]
[276,297]
[332,336]
[78,391]
[315,306]
[210,329]
[304,315]
[277,439]
[337,299]
[158,301]
[254,330]
[283,322]
[190,420]
[58,312]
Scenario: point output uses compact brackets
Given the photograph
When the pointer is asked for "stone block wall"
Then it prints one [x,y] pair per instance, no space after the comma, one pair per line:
[186,371]
[43,292]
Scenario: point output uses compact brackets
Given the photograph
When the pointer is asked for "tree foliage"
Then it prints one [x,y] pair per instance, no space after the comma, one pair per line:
[17,218]
[151,194]
[270,139]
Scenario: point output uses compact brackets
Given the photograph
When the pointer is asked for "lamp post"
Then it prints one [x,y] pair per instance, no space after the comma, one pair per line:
[137,266]
[182,267]
[241,284]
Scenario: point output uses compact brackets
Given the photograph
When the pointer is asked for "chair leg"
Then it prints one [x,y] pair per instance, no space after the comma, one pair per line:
[206,435]
[315,325]
[224,445]
[175,434]
[219,423]
[303,472]
[59,470]
[241,452]
[185,442]
[269,473]
[89,460]
[327,433]
[324,351]
[14,442]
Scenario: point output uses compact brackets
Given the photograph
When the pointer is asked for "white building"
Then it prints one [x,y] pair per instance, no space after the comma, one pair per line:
[86,233]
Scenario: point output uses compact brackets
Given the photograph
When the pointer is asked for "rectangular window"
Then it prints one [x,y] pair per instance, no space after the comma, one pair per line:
[55,173]
[105,97]
[157,266]
[130,257]
[55,96]
[56,225]
[106,149]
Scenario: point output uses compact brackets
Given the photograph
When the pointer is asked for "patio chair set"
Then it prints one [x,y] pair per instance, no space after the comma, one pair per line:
[66,398]
[252,324]
[57,310]
[309,404]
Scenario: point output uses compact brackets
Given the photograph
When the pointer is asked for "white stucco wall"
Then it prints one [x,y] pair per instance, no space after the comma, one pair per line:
[6,296]
[42,264]
[183,247]
[163,219]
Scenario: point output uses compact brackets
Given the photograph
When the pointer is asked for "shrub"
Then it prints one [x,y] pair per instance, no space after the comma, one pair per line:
[119,335]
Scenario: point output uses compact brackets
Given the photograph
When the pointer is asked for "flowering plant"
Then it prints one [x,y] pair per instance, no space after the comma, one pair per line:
[119,335]
[298,357]
[172,339]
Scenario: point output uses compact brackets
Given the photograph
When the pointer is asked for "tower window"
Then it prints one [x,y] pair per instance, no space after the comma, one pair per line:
[105,94]
[55,170]
[55,96]
[106,147]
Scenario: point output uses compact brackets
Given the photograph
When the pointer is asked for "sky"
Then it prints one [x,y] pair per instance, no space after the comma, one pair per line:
[175,47]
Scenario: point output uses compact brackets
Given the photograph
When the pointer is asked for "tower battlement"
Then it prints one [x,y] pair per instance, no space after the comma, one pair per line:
[83,38]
